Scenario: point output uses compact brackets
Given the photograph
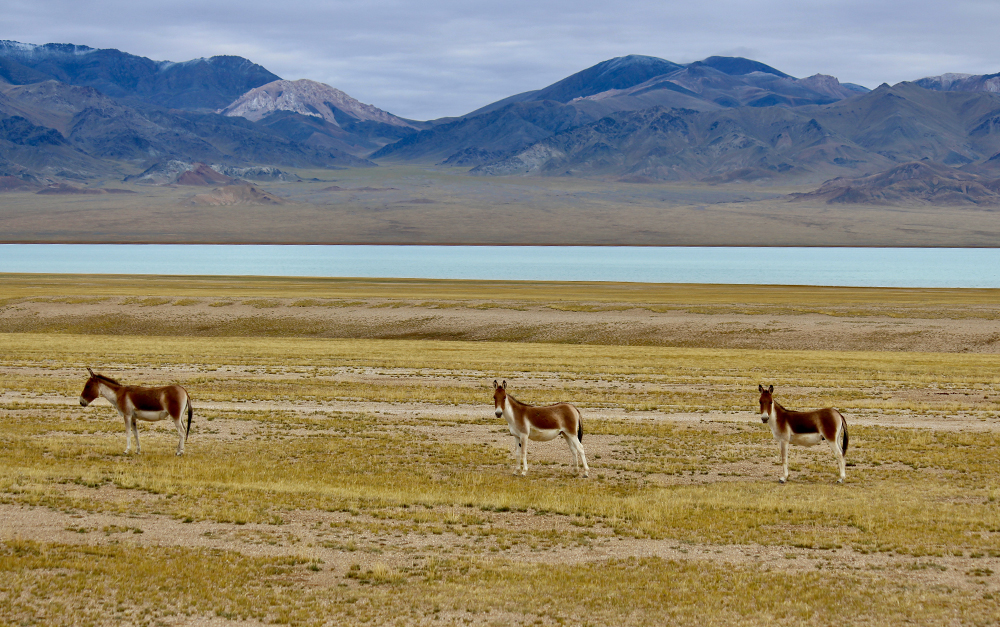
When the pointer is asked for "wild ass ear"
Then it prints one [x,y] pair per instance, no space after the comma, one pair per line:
[495,384]
[770,389]
[760,388]
[505,384]
[90,371]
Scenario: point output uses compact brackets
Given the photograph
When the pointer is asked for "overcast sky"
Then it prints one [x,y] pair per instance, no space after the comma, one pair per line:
[424,60]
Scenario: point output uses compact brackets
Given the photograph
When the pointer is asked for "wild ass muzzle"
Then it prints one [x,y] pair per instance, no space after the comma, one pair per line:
[528,422]
[138,403]
[805,428]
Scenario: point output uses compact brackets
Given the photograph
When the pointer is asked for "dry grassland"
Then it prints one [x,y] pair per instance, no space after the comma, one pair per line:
[358,475]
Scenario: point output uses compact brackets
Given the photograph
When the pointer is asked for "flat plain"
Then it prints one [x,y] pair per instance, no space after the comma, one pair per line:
[427,204]
[345,465]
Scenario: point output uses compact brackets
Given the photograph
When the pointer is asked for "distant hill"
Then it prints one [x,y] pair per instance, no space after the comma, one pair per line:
[199,84]
[175,172]
[308,98]
[27,150]
[906,122]
[80,132]
[320,115]
[633,82]
[914,183]
[624,84]
[961,82]
[657,144]
[858,136]
[71,111]
[494,133]
[228,195]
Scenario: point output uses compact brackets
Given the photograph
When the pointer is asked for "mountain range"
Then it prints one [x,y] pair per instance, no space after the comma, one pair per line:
[853,137]
[71,112]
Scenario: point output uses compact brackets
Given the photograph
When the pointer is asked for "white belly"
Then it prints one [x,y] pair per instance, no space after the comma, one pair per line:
[151,416]
[542,435]
[806,439]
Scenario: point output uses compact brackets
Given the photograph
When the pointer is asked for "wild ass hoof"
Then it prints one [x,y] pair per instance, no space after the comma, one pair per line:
[841,480]
[781,480]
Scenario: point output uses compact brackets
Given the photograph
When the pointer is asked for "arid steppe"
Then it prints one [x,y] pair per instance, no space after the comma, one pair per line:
[345,465]
[426,204]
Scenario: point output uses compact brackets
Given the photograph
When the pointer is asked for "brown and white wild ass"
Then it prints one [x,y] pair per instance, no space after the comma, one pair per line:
[805,428]
[138,403]
[528,422]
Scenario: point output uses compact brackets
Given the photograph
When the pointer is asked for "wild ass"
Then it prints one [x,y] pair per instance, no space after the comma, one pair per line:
[805,428]
[138,403]
[528,422]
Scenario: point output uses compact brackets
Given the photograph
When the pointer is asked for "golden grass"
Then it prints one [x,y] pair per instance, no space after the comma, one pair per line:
[668,379]
[917,497]
[184,584]
[791,298]
[52,584]
[218,480]
[405,483]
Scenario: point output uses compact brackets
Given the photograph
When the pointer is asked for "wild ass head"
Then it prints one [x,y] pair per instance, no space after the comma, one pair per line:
[499,397]
[91,390]
[765,402]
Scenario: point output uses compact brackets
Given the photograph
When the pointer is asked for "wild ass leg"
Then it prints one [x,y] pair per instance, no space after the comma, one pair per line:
[839,456]
[129,430]
[572,451]
[523,443]
[576,448]
[180,432]
[583,456]
[135,432]
[516,454]
[128,434]
[783,446]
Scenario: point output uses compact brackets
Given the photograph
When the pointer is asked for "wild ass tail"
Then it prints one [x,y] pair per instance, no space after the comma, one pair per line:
[845,439]
[579,426]
[190,415]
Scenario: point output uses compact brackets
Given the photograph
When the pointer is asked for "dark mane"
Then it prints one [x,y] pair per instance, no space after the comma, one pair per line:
[106,378]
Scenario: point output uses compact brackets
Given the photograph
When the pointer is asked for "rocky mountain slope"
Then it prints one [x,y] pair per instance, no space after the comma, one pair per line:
[308,97]
[469,140]
[320,115]
[632,83]
[962,82]
[199,84]
[74,112]
[175,172]
[853,137]
[79,132]
[914,183]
